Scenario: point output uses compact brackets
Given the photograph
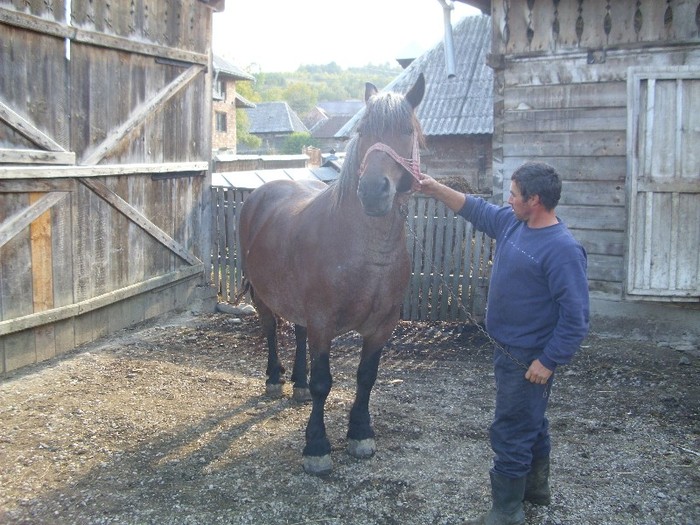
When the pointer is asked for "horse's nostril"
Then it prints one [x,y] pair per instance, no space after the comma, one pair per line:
[386,187]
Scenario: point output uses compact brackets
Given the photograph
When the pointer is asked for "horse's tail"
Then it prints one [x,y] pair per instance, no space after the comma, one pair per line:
[245,288]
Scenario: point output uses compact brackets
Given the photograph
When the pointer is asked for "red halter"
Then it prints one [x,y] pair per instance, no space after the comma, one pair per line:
[411,165]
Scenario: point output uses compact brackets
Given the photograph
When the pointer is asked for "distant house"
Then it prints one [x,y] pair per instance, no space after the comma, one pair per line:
[333,116]
[456,114]
[225,102]
[273,122]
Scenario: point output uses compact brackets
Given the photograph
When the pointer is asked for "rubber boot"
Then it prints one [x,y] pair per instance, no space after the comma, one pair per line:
[507,506]
[537,489]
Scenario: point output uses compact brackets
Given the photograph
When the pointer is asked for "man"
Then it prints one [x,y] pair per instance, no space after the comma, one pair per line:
[537,314]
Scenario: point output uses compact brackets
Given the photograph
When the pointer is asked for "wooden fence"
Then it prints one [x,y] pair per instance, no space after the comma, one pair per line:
[451,261]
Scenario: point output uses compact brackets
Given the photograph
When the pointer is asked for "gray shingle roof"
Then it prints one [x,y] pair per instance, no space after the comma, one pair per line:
[459,106]
[274,117]
[224,67]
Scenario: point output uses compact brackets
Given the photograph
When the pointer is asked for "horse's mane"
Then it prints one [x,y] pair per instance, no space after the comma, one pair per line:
[385,114]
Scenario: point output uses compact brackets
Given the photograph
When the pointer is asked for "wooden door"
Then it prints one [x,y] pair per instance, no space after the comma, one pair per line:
[663,244]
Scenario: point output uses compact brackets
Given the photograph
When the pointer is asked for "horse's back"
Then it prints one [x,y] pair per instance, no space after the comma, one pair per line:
[275,201]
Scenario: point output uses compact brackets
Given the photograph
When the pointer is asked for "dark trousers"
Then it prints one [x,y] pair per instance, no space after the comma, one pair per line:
[520,429]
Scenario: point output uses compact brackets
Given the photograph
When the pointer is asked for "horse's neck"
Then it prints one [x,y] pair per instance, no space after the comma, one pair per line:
[380,232]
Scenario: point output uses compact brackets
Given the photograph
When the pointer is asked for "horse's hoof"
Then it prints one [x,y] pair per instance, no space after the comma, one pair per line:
[318,465]
[273,390]
[301,394]
[362,448]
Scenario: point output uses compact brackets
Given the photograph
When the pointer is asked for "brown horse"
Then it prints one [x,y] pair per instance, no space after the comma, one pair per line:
[332,259]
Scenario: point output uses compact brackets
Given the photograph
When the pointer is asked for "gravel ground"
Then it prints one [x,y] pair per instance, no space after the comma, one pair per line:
[167,423]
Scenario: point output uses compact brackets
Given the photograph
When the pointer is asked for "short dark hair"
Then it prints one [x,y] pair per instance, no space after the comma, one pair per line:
[538,178]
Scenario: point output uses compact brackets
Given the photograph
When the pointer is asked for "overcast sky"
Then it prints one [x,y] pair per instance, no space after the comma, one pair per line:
[281,35]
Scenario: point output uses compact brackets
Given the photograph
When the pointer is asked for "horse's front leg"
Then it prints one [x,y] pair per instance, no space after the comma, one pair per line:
[299,375]
[317,452]
[360,433]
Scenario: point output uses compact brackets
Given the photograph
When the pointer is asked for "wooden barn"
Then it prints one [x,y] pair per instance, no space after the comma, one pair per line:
[105,143]
[608,91]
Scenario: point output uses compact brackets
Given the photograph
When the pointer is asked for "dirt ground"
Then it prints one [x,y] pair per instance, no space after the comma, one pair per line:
[166,423]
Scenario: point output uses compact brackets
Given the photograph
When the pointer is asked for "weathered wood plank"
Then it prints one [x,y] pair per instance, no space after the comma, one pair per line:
[26,322]
[35,156]
[28,130]
[574,143]
[139,116]
[563,96]
[577,168]
[102,170]
[23,218]
[611,218]
[566,119]
[134,215]
[96,38]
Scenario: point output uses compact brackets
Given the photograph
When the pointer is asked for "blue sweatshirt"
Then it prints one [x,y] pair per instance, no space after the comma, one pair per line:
[538,294]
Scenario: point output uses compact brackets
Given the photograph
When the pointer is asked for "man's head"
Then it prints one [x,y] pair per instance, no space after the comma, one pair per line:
[538,179]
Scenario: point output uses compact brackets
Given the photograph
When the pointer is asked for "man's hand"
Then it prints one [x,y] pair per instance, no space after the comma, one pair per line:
[538,373]
[453,199]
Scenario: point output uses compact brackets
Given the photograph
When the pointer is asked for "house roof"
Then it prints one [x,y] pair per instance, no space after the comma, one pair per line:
[242,102]
[459,106]
[274,117]
[345,108]
[224,67]
[329,127]
[253,179]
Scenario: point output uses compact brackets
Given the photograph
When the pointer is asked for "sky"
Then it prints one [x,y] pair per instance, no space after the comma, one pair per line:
[281,35]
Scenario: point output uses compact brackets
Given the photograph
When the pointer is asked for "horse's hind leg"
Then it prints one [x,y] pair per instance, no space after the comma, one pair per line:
[301,384]
[273,385]
[360,433]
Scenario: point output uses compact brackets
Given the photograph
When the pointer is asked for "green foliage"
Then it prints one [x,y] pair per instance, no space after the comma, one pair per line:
[301,97]
[242,127]
[310,84]
[294,144]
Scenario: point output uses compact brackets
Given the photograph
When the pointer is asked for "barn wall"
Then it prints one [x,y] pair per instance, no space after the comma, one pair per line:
[561,96]
[105,126]
[465,156]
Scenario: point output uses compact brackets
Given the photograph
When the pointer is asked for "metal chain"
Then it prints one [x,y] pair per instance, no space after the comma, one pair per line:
[462,308]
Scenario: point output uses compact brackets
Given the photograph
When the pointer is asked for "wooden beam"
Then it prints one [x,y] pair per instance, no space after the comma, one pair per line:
[141,114]
[25,128]
[59,30]
[65,312]
[102,170]
[134,215]
[20,220]
[36,156]
[41,250]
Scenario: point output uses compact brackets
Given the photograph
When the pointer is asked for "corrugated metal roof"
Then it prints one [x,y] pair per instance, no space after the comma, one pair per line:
[253,179]
[274,117]
[459,106]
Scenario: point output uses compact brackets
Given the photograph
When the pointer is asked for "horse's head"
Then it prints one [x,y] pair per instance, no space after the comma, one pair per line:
[388,144]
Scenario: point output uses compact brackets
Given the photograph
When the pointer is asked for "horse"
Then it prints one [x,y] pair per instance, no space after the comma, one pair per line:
[333,259]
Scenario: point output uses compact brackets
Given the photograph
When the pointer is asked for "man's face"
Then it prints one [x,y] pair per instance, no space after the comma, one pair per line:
[521,207]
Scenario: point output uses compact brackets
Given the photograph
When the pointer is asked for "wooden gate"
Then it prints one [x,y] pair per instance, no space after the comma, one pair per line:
[450,261]
[663,252]
[105,110]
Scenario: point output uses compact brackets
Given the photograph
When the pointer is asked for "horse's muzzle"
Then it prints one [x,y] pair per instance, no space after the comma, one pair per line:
[376,195]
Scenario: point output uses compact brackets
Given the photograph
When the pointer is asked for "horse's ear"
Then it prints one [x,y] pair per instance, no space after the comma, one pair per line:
[370,90]
[415,94]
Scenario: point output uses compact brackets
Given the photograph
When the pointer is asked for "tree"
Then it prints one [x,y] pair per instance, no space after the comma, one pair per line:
[301,97]
[294,144]
[242,134]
